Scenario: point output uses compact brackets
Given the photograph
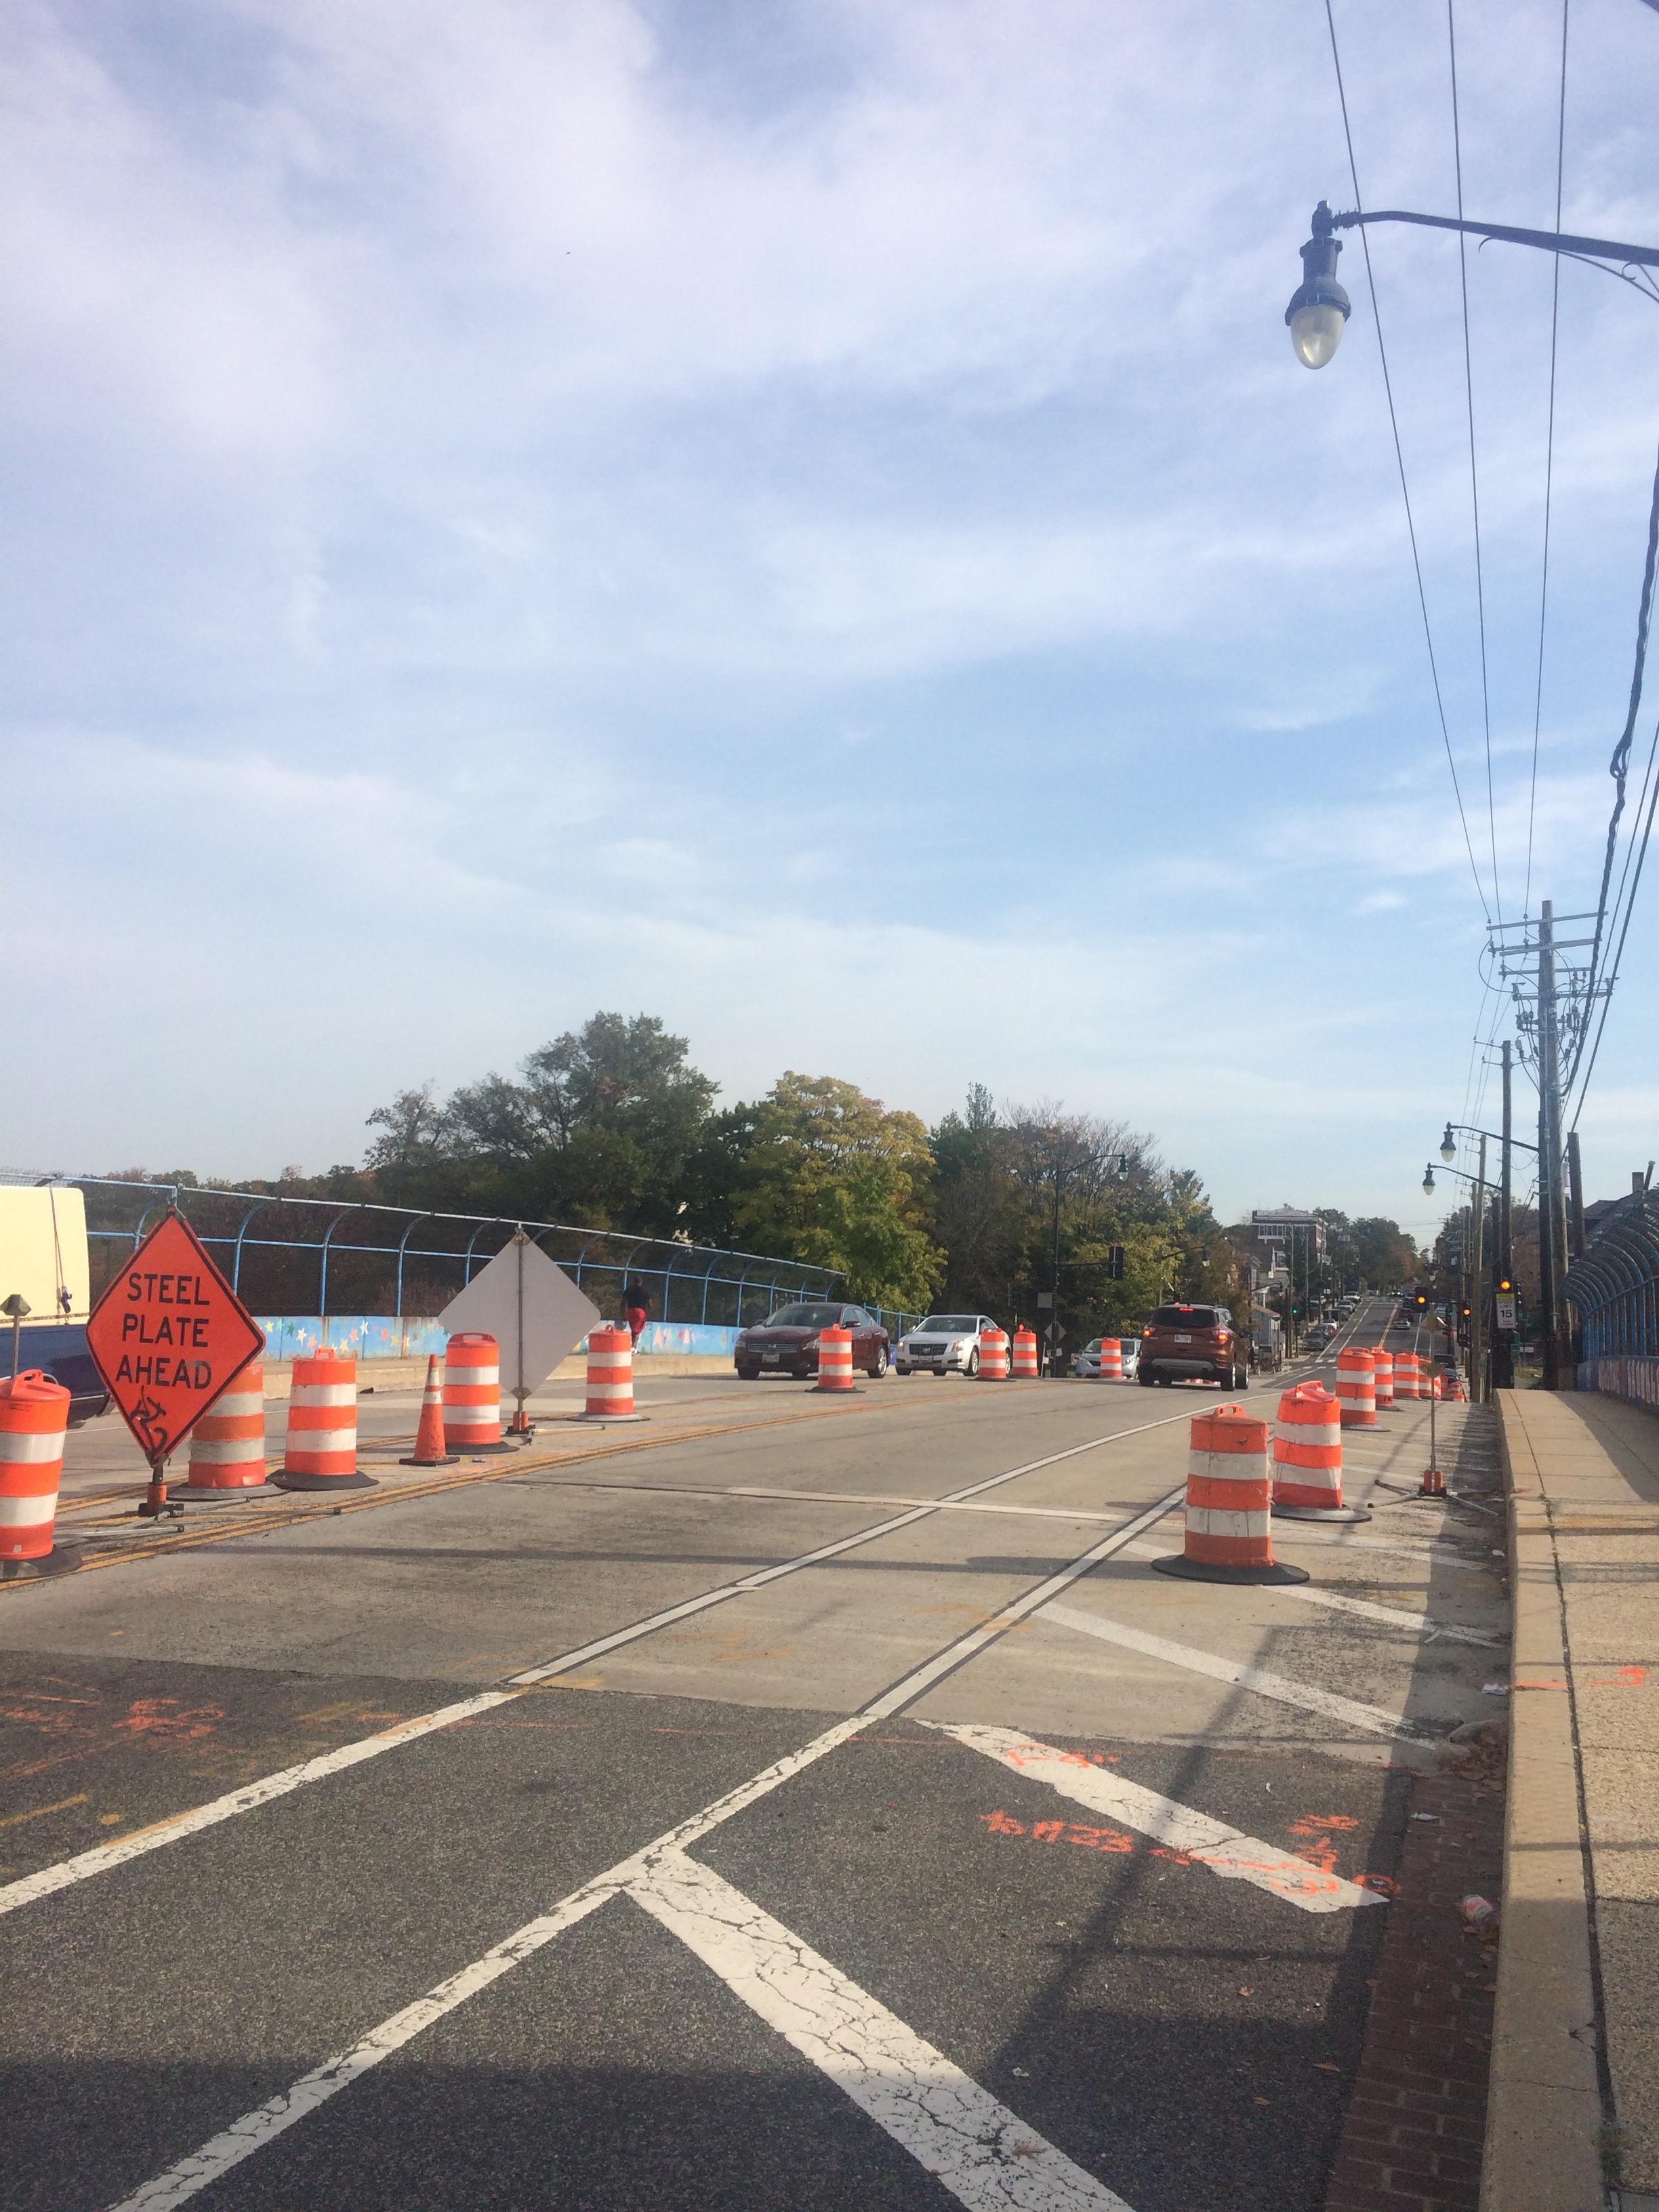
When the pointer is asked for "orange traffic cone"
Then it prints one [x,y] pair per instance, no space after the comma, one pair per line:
[429,1437]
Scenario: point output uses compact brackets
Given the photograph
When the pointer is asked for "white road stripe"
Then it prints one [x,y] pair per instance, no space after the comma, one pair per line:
[25,1890]
[254,2129]
[1395,1616]
[1226,1851]
[28,1886]
[1372,1720]
[585,1653]
[984,2154]
[934,1505]
[975,1642]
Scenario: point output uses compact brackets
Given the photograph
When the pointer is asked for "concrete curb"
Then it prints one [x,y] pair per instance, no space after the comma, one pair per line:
[1544,2116]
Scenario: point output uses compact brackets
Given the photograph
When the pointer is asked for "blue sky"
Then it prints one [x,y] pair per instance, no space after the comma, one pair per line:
[803,520]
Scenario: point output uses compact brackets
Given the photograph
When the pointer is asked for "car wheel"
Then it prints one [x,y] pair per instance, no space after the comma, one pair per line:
[1163,1382]
[748,1375]
[972,1367]
[876,1372]
[1144,1381]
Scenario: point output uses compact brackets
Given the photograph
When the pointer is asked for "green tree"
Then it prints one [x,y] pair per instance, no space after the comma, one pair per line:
[831,1176]
[602,1129]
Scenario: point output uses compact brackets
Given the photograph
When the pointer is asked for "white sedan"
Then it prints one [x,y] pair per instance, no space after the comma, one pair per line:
[1086,1363]
[944,1344]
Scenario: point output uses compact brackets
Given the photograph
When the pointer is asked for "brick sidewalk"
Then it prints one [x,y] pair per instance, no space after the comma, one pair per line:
[1411,2142]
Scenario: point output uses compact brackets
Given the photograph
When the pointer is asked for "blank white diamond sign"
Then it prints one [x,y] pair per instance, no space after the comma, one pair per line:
[531,1308]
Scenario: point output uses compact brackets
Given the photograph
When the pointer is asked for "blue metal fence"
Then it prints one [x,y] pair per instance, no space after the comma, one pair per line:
[1615,1289]
[393,1249]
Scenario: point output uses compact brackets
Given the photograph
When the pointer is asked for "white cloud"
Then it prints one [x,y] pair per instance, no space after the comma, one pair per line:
[480,472]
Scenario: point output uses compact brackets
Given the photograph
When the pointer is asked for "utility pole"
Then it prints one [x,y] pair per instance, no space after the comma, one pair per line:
[1503,1343]
[1478,1391]
[1549,1151]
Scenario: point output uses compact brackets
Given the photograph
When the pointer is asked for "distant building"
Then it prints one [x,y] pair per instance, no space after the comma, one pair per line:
[1278,1226]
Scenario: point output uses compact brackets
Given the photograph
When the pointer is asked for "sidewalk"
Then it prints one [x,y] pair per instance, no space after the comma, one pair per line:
[1578,2020]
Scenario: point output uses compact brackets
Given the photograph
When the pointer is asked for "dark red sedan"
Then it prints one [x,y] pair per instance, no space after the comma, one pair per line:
[787,1344]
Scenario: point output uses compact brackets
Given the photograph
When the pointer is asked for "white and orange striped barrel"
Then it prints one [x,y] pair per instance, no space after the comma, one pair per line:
[472,1392]
[1382,1379]
[994,1355]
[1307,1448]
[1438,1389]
[835,1359]
[1456,1392]
[33,1417]
[228,1446]
[1229,1490]
[1111,1360]
[1355,1396]
[611,1373]
[1025,1355]
[322,1417]
[1407,1376]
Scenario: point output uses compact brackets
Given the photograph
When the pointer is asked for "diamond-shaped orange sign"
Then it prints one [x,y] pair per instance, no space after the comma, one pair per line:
[168,1336]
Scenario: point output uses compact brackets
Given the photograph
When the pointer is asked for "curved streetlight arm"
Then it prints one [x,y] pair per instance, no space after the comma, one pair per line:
[1551,241]
[1469,1129]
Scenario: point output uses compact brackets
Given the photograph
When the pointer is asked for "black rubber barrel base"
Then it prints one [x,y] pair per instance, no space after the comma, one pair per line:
[1321,1512]
[478,1451]
[1200,1570]
[357,1481]
[218,1494]
[450,1461]
[57,1561]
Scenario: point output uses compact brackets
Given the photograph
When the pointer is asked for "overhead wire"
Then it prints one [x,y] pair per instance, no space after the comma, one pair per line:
[1635,855]
[1549,459]
[1400,461]
[1475,476]
[1619,766]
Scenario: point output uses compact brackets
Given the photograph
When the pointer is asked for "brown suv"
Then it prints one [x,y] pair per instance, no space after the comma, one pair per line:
[1192,1344]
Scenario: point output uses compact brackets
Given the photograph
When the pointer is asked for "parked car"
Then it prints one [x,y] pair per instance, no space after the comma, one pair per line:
[788,1343]
[1192,1344]
[1086,1363]
[944,1344]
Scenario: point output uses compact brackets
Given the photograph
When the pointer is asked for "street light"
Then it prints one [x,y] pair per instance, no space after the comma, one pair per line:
[1320,308]
[1428,1180]
[1448,1146]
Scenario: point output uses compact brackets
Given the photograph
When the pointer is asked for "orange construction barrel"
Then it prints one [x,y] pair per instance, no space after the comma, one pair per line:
[1229,1487]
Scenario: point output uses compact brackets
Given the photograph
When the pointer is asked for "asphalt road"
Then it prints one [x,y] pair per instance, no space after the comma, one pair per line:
[825,1805]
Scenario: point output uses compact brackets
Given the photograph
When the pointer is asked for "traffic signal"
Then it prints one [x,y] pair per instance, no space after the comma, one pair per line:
[1420,1300]
[1115,1262]
[1505,1288]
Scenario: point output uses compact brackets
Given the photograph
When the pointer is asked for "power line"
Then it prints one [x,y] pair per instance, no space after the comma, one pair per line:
[1619,769]
[1549,458]
[1637,853]
[1474,479]
[1400,460]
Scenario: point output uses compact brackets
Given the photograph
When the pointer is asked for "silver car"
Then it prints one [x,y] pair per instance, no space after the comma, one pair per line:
[1086,1363]
[944,1344]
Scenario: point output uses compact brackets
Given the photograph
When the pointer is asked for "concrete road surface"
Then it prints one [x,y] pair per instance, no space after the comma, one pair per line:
[793,1800]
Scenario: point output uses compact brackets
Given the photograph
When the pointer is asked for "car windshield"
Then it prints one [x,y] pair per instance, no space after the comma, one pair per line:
[1184,1317]
[805,1317]
[948,1325]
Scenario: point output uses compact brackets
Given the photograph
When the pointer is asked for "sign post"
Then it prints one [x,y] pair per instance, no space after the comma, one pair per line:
[169,1336]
